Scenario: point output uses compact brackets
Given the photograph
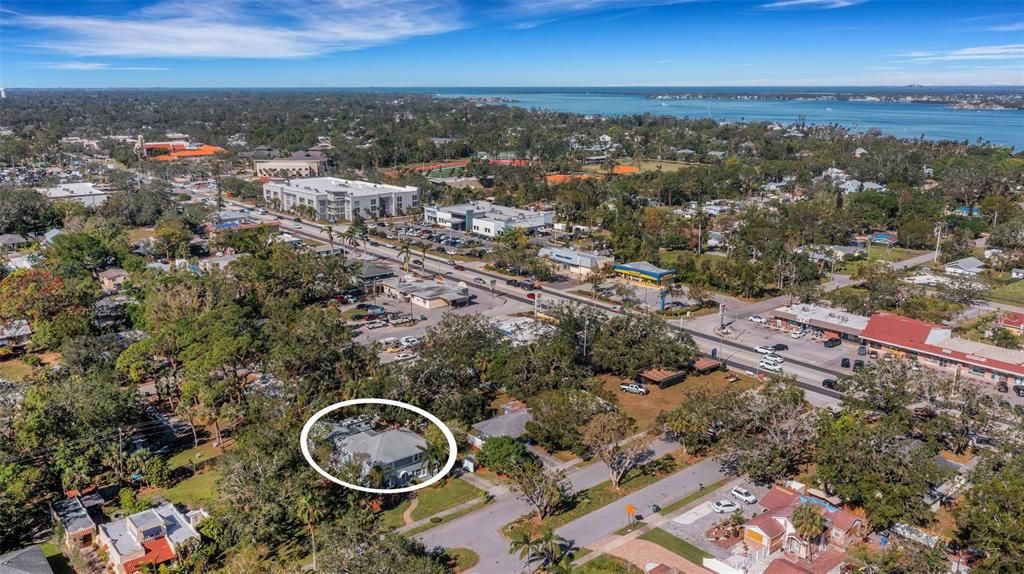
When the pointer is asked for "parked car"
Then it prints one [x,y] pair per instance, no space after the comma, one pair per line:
[742,494]
[402,319]
[634,388]
[859,364]
[833,342]
[765,349]
[862,350]
[409,341]
[405,356]
[376,324]
[829,383]
[616,309]
[724,506]
[758,319]
[872,354]
[1002,387]
[798,334]
[1018,390]
[845,363]
[780,347]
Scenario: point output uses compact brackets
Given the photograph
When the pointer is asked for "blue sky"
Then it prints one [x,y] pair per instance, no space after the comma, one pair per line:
[299,43]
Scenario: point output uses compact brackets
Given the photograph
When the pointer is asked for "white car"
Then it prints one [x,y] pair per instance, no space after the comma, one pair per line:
[376,324]
[724,506]
[405,356]
[388,342]
[765,350]
[758,319]
[773,358]
[410,341]
[798,334]
[479,281]
[770,367]
[742,494]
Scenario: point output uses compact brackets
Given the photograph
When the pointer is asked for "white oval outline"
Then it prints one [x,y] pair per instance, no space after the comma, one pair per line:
[452,446]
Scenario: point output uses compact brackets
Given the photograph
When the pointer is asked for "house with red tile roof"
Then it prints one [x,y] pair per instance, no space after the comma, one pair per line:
[935,346]
[773,530]
[149,537]
[1013,322]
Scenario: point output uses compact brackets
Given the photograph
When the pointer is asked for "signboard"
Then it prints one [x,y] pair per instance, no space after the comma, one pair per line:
[630,510]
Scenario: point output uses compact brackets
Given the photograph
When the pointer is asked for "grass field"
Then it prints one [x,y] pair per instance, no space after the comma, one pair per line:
[203,452]
[676,545]
[1011,294]
[58,562]
[431,501]
[646,408]
[14,370]
[598,496]
[878,253]
[196,491]
[607,565]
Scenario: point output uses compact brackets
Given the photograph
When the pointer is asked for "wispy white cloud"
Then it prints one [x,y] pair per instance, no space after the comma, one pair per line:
[96,67]
[1014,27]
[536,7]
[817,4]
[1004,52]
[244,28]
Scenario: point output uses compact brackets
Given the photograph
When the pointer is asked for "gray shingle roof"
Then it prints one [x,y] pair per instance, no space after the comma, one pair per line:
[29,560]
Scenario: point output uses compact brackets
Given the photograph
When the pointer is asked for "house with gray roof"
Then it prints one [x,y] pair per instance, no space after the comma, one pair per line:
[74,517]
[396,451]
[12,241]
[511,423]
[29,560]
[970,266]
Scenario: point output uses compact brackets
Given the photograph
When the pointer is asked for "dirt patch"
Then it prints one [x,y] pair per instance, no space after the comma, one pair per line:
[646,408]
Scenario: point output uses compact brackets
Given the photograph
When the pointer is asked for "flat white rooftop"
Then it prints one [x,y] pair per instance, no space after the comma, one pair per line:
[346,186]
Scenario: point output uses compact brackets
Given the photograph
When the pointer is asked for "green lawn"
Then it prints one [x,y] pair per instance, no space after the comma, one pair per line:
[433,500]
[462,559]
[598,496]
[200,453]
[196,491]
[59,563]
[607,565]
[1012,293]
[14,370]
[676,545]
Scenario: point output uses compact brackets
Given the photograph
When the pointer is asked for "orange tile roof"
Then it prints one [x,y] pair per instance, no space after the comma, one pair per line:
[158,551]
[202,151]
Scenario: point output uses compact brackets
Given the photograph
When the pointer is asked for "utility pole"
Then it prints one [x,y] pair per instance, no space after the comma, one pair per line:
[938,240]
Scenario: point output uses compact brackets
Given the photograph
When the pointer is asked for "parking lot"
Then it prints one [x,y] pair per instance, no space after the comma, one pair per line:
[495,307]
[694,523]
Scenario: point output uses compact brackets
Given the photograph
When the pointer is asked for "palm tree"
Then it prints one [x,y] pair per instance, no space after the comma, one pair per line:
[548,548]
[329,231]
[351,236]
[808,523]
[434,456]
[404,253]
[310,512]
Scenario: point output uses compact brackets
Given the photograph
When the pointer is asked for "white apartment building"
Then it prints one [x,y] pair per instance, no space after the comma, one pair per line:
[334,199]
[88,194]
[485,218]
[288,168]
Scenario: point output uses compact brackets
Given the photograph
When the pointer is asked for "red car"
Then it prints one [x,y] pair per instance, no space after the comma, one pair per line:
[459,268]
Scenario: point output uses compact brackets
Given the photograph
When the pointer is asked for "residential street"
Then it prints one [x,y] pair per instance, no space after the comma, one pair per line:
[480,530]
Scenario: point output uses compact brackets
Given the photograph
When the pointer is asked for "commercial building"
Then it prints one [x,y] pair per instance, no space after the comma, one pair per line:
[826,322]
[935,346]
[289,168]
[581,263]
[426,294]
[88,194]
[485,218]
[645,272]
[228,221]
[149,537]
[334,199]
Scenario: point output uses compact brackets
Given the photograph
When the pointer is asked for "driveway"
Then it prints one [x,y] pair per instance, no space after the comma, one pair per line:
[692,524]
